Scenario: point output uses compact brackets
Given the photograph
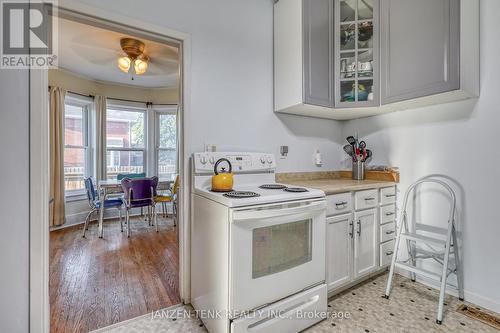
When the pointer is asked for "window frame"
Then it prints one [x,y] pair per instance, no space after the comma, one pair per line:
[159,111]
[85,103]
[128,107]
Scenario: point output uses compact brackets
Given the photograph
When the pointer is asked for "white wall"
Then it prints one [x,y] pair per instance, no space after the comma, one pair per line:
[13,198]
[232,72]
[457,140]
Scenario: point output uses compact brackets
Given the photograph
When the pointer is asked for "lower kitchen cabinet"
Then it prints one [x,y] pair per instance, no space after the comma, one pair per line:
[365,242]
[360,235]
[339,250]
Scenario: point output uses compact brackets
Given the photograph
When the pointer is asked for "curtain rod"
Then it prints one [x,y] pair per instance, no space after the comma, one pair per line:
[121,99]
[75,93]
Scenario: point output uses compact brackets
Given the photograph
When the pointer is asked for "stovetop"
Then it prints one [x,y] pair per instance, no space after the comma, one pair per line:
[252,172]
[260,195]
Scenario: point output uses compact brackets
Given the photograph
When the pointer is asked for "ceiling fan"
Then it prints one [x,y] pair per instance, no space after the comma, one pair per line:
[134,50]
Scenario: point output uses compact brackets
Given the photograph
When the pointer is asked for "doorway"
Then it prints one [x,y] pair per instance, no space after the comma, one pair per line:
[155,160]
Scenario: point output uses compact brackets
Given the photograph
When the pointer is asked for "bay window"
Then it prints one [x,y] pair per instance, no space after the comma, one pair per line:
[77,153]
[125,141]
[166,144]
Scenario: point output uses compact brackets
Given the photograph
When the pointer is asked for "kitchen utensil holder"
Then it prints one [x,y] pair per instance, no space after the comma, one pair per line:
[358,170]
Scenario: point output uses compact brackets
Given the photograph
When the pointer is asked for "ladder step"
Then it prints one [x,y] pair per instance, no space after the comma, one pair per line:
[423,239]
[418,271]
[437,254]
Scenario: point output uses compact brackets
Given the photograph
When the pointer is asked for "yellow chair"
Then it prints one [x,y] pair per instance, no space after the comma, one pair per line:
[172,197]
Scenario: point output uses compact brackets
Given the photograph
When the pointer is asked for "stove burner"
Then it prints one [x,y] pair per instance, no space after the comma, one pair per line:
[296,189]
[272,187]
[241,194]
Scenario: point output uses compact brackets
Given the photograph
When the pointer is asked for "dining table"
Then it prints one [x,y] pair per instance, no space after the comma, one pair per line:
[113,186]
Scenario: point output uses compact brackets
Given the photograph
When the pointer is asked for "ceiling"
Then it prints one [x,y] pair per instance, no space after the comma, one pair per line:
[92,52]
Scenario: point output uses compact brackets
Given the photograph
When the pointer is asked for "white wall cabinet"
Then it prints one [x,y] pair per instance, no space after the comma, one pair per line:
[347,59]
[360,233]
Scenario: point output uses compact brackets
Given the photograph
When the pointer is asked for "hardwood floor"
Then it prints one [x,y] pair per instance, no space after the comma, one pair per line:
[98,282]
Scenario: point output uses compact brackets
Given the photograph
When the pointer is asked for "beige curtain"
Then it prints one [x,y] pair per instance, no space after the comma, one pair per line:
[100,114]
[56,118]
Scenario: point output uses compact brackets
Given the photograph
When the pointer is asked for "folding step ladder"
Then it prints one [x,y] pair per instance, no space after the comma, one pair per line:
[435,248]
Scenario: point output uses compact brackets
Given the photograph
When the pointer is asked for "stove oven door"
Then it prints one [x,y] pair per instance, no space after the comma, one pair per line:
[276,250]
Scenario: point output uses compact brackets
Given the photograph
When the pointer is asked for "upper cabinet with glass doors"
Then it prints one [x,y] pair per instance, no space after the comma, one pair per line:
[347,59]
[356,50]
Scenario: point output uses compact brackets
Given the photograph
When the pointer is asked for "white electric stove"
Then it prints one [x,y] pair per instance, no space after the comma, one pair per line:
[258,253]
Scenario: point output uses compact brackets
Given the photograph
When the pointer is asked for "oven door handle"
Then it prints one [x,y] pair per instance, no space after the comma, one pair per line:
[288,315]
[259,214]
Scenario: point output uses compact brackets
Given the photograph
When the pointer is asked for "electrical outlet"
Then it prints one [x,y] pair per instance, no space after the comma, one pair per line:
[210,147]
[283,152]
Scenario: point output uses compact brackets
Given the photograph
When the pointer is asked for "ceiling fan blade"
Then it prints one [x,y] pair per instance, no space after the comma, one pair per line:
[156,69]
[155,50]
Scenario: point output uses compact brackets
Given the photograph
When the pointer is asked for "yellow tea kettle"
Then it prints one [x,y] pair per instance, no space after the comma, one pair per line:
[222,181]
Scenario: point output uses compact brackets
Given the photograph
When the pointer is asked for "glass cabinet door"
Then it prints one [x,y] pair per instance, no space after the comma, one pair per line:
[356,68]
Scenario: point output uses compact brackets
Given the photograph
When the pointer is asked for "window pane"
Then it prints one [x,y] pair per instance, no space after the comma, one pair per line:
[124,129]
[74,168]
[124,162]
[365,9]
[347,36]
[347,10]
[168,131]
[167,161]
[73,125]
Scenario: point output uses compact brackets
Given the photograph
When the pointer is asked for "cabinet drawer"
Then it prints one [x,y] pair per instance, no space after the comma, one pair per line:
[338,204]
[388,195]
[387,232]
[386,251]
[366,199]
[387,214]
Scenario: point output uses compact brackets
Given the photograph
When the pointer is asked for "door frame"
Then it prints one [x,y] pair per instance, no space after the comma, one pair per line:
[39,307]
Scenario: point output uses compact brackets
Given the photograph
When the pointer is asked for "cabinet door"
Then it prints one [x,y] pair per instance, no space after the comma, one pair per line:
[339,250]
[419,48]
[318,52]
[356,53]
[365,242]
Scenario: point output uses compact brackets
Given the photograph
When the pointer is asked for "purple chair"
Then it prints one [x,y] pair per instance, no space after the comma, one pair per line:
[139,192]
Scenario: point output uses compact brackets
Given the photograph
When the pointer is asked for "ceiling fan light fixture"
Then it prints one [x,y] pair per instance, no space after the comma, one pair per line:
[124,64]
[134,50]
[140,66]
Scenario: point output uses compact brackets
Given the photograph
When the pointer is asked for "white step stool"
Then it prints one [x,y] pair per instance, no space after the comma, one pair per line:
[408,231]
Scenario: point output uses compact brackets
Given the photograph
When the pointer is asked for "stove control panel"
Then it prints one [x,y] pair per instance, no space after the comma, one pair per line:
[241,162]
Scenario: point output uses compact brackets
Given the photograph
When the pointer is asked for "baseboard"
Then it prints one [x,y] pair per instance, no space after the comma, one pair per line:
[80,222]
[470,297]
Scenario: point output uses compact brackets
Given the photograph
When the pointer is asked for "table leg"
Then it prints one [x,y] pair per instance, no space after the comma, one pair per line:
[101,213]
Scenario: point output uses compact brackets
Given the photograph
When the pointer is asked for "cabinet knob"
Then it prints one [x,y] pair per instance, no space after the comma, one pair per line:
[389,232]
[389,253]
